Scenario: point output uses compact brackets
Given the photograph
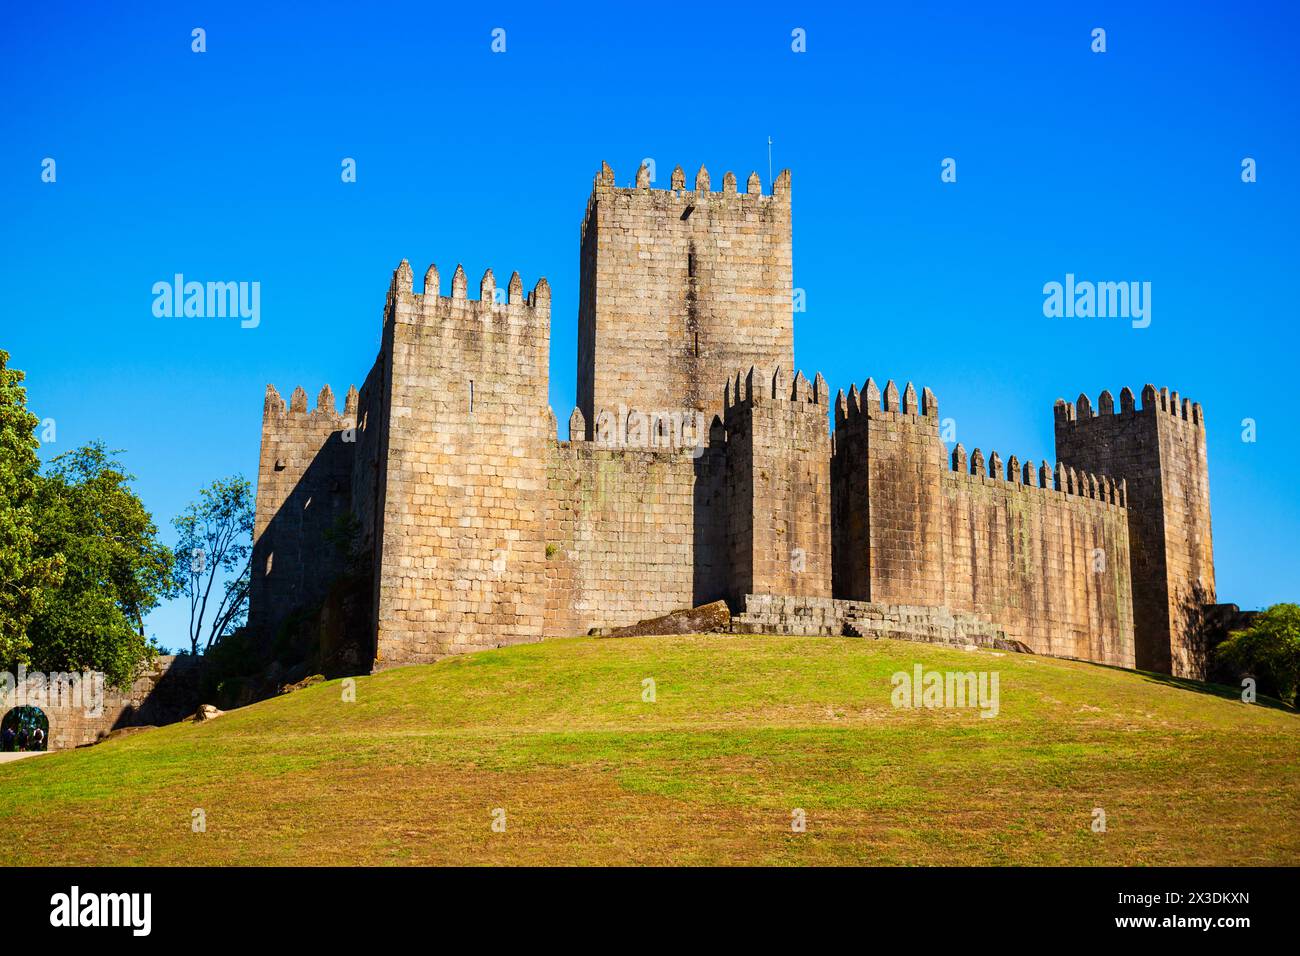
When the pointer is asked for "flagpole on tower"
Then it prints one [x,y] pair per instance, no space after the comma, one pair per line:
[769,159]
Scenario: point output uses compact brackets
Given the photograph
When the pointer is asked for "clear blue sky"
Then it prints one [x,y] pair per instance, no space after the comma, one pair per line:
[225,165]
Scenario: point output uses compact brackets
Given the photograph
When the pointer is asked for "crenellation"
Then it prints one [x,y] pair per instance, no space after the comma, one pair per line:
[700,465]
[909,400]
[274,404]
[929,405]
[853,404]
[577,426]
[891,397]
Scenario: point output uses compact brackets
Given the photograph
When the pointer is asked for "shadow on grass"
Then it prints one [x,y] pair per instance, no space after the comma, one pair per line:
[1224,691]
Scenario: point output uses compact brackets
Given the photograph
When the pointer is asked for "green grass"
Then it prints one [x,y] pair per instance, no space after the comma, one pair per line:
[743,731]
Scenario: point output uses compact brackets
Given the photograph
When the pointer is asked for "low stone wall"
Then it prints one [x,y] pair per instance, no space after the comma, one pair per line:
[774,614]
[166,693]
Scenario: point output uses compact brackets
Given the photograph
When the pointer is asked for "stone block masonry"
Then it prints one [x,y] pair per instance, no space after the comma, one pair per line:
[700,466]
[165,692]
[1159,450]
[304,479]
[679,288]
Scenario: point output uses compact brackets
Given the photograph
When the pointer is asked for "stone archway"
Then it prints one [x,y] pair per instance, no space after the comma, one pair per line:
[24,728]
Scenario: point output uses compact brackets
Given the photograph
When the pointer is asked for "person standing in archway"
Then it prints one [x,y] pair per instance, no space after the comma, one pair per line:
[7,739]
[38,739]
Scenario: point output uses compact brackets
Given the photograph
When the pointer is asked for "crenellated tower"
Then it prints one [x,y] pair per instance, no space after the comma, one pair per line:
[777,537]
[678,287]
[461,561]
[1159,450]
[886,470]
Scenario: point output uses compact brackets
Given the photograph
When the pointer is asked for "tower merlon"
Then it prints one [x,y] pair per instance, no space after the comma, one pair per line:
[1154,400]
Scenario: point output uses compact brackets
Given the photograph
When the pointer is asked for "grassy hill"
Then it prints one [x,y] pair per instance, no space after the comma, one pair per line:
[743,731]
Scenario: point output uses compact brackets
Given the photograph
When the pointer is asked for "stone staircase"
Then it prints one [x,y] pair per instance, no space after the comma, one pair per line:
[777,614]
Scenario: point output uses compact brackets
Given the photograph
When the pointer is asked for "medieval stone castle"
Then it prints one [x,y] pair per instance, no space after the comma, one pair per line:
[700,465]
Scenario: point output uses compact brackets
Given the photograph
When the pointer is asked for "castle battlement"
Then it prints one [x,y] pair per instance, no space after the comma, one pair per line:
[684,481]
[754,387]
[872,403]
[605,181]
[431,302]
[326,406]
[1153,401]
[681,202]
[1061,479]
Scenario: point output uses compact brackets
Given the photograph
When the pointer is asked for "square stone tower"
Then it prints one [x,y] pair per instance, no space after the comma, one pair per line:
[778,484]
[1159,450]
[680,288]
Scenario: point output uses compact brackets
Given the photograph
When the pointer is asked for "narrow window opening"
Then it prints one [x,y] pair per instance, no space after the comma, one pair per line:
[471,396]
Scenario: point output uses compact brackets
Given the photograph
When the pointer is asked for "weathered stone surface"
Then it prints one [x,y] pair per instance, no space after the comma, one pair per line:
[207,712]
[700,466]
[679,290]
[695,620]
[163,693]
[1159,451]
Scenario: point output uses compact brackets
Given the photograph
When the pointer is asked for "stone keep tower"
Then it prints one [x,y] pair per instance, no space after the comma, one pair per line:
[679,288]
[1160,450]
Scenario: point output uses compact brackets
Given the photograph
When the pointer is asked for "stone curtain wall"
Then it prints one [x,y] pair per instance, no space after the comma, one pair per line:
[1049,565]
[1160,450]
[621,537]
[679,288]
[304,480]
[978,537]
[462,547]
[164,694]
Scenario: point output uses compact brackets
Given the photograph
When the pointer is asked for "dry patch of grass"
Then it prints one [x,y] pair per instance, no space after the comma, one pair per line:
[741,733]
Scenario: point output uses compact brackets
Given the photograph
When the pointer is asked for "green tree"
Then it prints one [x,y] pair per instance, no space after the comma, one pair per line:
[1269,649]
[116,568]
[212,558]
[26,575]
